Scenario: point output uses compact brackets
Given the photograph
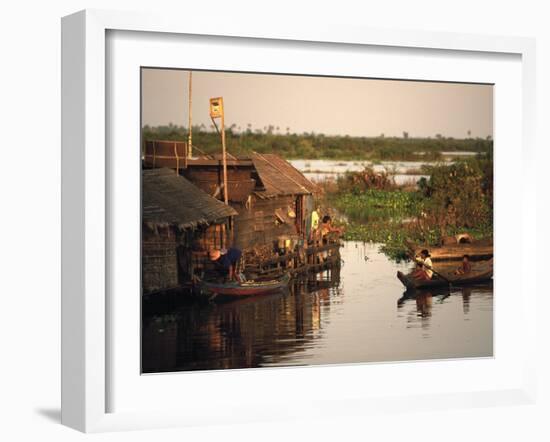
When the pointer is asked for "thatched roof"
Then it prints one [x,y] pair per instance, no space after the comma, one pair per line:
[279,177]
[170,199]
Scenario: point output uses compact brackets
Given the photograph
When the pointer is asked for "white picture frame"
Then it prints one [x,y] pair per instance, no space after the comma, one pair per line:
[87,205]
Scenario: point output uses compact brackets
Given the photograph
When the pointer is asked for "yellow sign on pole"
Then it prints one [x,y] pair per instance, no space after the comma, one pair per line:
[216,111]
[216,107]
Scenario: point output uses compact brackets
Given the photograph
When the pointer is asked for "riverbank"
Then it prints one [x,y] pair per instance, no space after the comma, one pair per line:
[455,199]
[392,217]
[244,141]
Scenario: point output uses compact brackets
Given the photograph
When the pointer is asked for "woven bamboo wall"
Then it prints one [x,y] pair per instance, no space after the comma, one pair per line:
[257,225]
[159,265]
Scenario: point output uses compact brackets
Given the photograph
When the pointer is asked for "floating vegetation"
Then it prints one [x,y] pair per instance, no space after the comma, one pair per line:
[379,205]
[457,198]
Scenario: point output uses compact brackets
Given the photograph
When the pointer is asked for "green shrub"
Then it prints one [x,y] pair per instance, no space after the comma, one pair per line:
[458,194]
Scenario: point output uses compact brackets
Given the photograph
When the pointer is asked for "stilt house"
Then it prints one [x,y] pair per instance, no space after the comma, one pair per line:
[180,223]
[273,199]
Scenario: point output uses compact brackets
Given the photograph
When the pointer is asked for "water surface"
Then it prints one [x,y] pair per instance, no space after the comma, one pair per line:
[357,314]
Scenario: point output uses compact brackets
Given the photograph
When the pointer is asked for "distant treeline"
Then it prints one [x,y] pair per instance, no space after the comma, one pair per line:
[319,146]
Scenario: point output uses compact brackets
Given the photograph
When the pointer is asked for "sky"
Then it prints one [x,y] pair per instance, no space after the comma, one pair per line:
[328,105]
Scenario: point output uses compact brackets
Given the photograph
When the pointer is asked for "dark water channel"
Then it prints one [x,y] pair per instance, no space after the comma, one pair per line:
[359,314]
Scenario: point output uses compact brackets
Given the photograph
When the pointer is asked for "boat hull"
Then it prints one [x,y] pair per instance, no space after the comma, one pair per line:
[476,251]
[236,289]
[474,278]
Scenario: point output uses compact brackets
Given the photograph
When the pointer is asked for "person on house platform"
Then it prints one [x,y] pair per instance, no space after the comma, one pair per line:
[327,227]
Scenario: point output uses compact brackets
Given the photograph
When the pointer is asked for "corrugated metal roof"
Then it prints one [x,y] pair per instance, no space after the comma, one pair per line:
[168,198]
[279,177]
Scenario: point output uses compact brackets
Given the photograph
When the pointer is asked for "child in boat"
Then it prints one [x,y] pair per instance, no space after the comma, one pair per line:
[418,272]
[226,262]
[466,266]
[424,266]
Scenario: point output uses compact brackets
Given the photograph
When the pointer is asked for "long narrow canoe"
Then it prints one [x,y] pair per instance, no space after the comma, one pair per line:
[476,251]
[248,288]
[480,273]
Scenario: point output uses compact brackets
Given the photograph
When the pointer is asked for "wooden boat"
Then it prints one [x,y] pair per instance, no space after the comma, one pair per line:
[248,288]
[478,250]
[481,272]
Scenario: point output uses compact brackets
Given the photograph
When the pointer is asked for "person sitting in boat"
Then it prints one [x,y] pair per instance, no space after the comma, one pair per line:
[466,266]
[226,262]
[424,272]
[418,272]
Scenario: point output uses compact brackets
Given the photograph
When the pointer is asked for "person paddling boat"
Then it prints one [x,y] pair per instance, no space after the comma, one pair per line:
[424,270]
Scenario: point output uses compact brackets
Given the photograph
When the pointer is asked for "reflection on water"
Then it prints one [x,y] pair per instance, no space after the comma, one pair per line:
[357,314]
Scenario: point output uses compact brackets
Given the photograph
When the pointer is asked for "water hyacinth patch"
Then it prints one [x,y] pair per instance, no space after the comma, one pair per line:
[455,199]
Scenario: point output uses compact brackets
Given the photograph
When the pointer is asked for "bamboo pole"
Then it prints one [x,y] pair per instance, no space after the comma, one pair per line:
[224,159]
[217,111]
[190,136]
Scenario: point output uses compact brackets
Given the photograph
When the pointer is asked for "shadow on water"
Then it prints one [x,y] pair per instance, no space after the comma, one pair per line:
[242,333]
[344,316]
[424,299]
[443,293]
